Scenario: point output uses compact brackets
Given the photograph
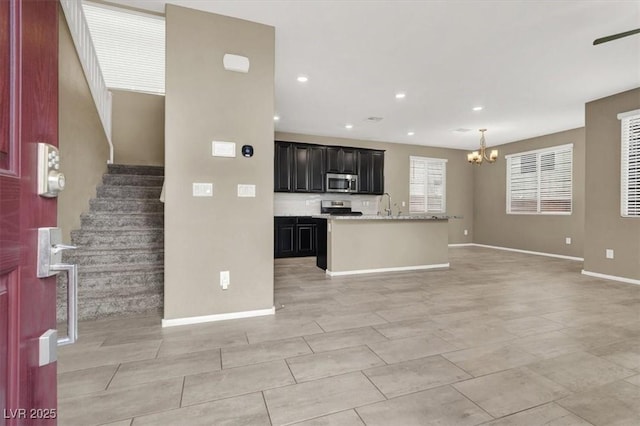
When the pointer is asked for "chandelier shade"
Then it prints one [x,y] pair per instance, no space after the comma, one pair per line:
[476,157]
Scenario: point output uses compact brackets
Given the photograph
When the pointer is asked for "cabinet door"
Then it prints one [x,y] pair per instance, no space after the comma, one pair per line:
[300,168]
[306,240]
[365,171]
[282,167]
[316,171]
[286,240]
[349,161]
[377,179]
[333,159]
[284,236]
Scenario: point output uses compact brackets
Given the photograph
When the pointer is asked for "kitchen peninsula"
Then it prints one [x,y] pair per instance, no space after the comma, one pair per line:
[372,243]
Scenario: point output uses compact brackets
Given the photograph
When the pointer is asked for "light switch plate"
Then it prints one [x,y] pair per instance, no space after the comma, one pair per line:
[223,149]
[246,190]
[202,189]
[609,253]
[567,240]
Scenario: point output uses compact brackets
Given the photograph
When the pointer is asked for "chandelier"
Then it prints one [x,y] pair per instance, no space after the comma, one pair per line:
[476,157]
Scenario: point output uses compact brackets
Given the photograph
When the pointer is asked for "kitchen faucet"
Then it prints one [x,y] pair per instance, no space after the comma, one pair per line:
[388,210]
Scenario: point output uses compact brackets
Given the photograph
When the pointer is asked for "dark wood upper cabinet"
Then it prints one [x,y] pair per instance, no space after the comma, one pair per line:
[316,166]
[341,160]
[378,172]
[370,172]
[303,167]
[300,168]
[283,170]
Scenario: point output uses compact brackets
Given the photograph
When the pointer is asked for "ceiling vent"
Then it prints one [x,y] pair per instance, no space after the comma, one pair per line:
[462,130]
[374,119]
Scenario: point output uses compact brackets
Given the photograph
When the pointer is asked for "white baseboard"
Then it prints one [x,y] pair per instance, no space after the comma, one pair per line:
[537,253]
[461,245]
[611,277]
[394,269]
[217,317]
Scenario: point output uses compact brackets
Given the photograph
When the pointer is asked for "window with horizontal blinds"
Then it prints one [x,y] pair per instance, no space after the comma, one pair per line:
[427,185]
[630,164]
[540,182]
[130,47]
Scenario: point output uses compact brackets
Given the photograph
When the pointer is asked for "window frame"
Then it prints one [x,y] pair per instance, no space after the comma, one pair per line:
[127,69]
[625,153]
[538,153]
[443,162]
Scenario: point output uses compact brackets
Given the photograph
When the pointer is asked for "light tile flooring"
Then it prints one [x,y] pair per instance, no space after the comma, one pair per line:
[501,338]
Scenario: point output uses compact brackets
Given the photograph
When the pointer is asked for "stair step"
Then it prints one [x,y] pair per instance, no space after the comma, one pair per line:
[126,169]
[114,293]
[96,257]
[117,239]
[113,269]
[128,191]
[97,306]
[121,221]
[132,180]
[126,206]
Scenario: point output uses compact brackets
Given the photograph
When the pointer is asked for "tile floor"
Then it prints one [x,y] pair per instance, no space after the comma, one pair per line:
[500,339]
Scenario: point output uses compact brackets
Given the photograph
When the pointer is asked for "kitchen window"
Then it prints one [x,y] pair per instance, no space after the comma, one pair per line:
[630,164]
[130,47]
[540,181]
[427,185]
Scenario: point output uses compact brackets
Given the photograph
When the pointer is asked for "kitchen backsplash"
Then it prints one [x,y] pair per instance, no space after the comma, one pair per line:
[309,204]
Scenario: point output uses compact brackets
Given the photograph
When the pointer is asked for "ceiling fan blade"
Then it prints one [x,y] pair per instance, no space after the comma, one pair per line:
[615,36]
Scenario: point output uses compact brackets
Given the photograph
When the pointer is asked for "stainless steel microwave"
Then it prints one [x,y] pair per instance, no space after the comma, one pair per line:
[341,183]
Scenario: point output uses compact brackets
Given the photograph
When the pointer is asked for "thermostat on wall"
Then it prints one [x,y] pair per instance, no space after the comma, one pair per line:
[223,149]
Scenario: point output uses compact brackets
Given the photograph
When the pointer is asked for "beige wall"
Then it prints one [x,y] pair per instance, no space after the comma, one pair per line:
[605,227]
[396,176]
[541,233]
[138,128]
[84,149]
[204,236]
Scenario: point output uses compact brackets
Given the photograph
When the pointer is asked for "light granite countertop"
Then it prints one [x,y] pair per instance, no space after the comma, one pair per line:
[381,217]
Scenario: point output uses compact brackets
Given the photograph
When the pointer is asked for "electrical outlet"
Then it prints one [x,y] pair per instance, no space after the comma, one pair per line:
[567,240]
[609,253]
[466,232]
[225,279]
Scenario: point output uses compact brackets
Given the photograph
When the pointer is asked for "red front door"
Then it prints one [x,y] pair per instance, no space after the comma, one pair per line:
[28,114]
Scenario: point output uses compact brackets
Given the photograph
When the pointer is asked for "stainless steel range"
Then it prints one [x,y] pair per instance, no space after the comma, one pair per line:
[337,208]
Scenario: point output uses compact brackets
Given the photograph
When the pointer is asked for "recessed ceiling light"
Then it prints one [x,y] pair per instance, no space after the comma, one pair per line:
[348,126]
[401,95]
[276,117]
[303,78]
[411,133]
[478,108]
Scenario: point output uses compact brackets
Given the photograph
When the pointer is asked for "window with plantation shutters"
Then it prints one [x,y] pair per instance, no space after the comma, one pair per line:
[540,182]
[130,47]
[630,164]
[427,185]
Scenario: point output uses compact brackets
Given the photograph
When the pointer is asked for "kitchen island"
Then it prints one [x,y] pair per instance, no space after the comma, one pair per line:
[364,244]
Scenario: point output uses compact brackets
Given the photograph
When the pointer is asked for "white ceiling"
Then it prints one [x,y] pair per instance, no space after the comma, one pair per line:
[531,64]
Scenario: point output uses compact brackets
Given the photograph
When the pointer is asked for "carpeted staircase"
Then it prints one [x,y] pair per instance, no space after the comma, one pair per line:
[120,242]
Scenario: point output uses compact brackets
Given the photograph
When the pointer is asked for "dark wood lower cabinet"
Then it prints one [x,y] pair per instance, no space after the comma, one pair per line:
[294,236]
